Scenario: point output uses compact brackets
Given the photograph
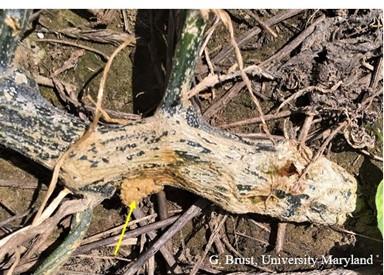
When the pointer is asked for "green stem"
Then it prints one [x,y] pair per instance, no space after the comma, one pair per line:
[60,255]
[12,24]
[184,61]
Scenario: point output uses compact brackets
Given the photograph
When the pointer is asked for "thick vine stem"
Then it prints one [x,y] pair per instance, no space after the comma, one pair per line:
[80,225]
[176,149]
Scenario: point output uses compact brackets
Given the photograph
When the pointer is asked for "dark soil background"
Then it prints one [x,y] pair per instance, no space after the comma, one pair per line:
[342,55]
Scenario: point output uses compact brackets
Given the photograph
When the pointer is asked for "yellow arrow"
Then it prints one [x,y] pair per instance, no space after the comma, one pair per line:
[132,207]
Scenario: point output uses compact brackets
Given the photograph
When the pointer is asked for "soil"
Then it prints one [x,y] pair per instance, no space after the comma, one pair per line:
[334,52]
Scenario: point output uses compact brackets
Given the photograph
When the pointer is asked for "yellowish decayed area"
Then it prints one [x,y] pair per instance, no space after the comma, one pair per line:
[138,188]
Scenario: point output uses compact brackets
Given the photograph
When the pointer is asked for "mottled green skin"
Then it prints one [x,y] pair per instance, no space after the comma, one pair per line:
[184,60]
[80,225]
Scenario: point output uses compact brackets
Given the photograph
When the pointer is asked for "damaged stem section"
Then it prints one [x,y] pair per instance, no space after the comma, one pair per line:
[177,149]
